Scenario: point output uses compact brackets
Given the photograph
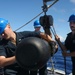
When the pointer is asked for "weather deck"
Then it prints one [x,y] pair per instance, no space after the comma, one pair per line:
[55,72]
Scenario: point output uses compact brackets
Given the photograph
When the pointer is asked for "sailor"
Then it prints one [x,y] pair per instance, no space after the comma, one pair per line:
[69,42]
[43,70]
[37,25]
[8,44]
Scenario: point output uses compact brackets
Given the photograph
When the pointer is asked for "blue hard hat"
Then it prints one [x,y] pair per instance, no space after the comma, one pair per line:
[3,23]
[37,23]
[72,18]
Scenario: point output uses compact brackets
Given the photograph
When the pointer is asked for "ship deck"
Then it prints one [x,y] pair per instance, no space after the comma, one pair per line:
[55,72]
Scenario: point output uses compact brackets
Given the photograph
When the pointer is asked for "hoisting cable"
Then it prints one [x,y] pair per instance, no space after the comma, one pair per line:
[36,16]
[54,33]
[52,69]
[29,21]
[53,30]
[46,21]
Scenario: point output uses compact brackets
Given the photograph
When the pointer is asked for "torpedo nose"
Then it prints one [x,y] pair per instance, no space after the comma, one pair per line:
[32,53]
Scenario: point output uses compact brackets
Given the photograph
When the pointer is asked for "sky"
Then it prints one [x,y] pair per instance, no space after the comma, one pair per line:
[19,12]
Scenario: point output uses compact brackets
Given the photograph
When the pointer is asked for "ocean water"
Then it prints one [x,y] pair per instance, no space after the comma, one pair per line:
[58,61]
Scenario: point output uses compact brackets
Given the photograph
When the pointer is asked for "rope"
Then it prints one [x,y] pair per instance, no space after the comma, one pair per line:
[35,16]
[54,33]
[29,21]
[52,69]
